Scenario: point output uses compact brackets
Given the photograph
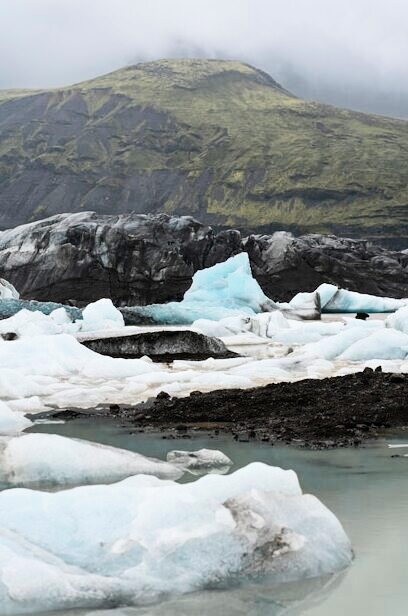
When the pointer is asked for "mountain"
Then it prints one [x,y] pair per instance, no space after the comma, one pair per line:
[219,140]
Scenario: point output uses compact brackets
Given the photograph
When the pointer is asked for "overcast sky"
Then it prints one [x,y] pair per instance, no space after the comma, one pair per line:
[349,52]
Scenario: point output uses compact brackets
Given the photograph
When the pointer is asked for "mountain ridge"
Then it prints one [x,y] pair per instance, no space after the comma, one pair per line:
[217,139]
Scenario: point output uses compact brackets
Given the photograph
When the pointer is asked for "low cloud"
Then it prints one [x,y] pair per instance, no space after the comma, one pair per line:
[352,53]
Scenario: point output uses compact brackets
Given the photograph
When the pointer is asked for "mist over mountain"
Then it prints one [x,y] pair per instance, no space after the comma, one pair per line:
[351,54]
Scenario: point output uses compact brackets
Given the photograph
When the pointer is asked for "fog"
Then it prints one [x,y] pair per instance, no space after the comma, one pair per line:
[351,52]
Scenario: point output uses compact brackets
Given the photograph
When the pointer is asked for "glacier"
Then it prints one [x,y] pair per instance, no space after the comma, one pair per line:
[137,540]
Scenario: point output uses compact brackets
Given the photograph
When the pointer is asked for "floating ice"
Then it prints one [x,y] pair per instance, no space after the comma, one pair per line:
[12,422]
[97,316]
[101,315]
[264,325]
[399,320]
[133,541]
[44,460]
[29,323]
[225,289]
[383,344]
[200,461]
[333,299]
[7,291]
[62,355]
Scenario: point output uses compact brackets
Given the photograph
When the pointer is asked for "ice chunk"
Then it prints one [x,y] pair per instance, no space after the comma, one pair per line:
[12,422]
[264,325]
[224,290]
[62,355]
[399,320]
[333,299]
[7,291]
[132,541]
[200,461]
[101,315]
[331,347]
[28,323]
[49,459]
[304,333]
[382,344]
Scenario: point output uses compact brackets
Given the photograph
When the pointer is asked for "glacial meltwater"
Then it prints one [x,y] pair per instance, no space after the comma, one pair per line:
[366,488]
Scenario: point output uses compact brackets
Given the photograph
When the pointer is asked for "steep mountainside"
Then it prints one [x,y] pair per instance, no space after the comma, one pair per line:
[216,139]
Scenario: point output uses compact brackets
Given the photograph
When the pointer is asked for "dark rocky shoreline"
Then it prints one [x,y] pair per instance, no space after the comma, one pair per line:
[333,412]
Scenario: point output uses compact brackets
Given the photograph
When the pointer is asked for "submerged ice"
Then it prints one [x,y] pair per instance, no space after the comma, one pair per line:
[136,540]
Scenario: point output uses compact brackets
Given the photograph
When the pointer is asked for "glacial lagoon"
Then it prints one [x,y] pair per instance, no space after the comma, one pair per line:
[365,487]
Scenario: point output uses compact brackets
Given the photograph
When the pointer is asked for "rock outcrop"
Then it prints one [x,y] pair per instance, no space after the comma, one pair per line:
[138,259]
[161,346]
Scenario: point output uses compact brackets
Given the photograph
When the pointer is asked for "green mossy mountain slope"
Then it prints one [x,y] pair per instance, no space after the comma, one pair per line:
[219,140]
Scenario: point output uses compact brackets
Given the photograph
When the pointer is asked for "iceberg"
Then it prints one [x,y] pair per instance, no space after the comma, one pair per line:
[97,316]
[62,355]
[382,344]
[12,422]
[224,290]
[200,461]
[334,300]
[101,315]
[398,320]
[46,460]
[35,323]
[7,290]
[134,541]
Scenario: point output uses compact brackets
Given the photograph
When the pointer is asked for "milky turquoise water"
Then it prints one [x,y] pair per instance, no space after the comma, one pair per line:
[366,488]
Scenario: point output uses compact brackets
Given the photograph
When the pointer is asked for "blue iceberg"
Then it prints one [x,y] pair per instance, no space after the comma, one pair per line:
[224,290]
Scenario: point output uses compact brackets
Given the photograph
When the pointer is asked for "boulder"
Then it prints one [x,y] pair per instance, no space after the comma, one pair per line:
[161,345]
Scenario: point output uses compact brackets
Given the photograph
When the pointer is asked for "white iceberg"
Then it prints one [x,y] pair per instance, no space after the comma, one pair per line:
[333,299]
[7,290]
[62,355]
[12,422]
[51,460]
[36,323]
[97,316]
[398,320]
[133,541]
[101,315]
[382,344]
